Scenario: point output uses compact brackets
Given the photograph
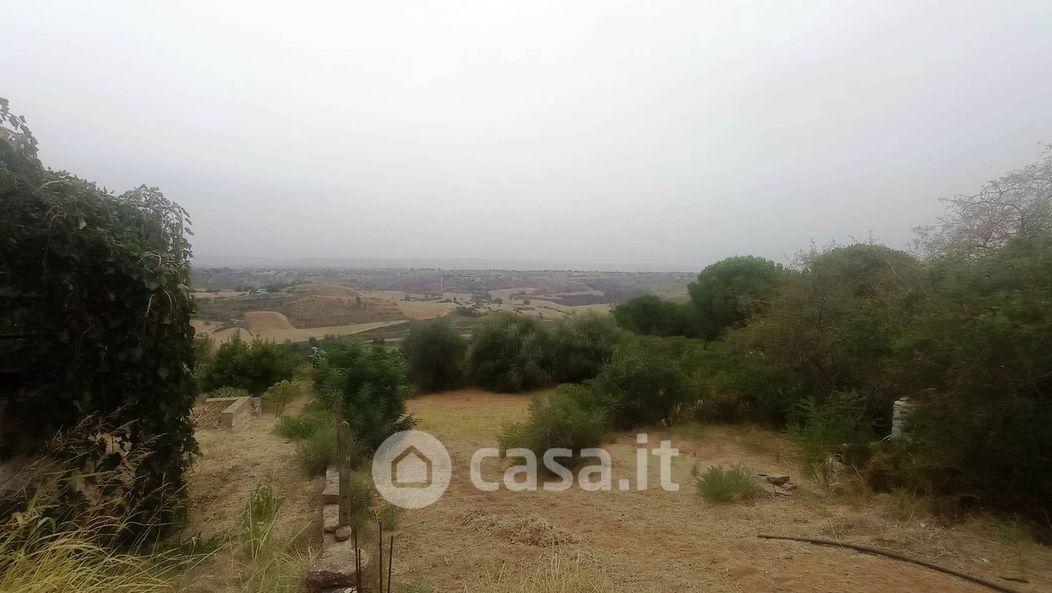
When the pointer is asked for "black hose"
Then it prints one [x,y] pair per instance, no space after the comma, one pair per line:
[896,556]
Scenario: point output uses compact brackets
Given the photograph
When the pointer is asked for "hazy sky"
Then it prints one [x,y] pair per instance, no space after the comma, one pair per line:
[653,134]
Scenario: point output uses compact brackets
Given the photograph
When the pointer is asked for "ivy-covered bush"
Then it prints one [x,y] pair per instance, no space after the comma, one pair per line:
[94,314]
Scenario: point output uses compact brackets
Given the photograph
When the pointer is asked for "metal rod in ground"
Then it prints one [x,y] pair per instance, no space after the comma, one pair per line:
[343,466]
[381,565]
[357,562]
[390,561]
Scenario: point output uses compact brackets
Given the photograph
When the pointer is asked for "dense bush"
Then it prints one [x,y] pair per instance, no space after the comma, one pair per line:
[979,369]
[730,291]
[581,345]
[434,353]
[639,387]
[369,384]
[95,312]
[558,420]
[832,325]
[509,352]
[736,386]
[252,366]
[653,316]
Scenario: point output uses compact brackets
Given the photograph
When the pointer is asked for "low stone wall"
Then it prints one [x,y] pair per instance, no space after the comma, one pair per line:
[226,412]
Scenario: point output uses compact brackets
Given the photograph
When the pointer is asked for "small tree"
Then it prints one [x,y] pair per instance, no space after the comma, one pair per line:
[978,367]
[279,395]
[370,386]
[728,292]
[434,353]
[581,345]
[508,352]
[1019,204]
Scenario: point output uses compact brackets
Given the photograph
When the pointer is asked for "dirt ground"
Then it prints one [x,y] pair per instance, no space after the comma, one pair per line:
[230,465]
[655,540]
[232,462]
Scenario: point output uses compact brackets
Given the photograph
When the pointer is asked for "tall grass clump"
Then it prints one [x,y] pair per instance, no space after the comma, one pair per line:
[820,431]
[270,564]
[317,451]
[37,555]
[722,485]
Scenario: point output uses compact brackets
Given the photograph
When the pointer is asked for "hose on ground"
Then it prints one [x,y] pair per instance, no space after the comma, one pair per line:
[894,555]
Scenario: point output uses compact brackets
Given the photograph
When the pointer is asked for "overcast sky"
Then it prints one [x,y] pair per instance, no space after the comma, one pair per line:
[659,135]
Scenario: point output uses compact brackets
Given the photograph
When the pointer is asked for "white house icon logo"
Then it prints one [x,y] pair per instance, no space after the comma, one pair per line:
[412,469]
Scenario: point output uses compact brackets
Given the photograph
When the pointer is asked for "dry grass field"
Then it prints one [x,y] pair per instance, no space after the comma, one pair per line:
[261,321]
[672,541]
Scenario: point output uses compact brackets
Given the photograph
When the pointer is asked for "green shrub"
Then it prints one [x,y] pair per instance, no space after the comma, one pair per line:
[581,345]
[280,395]
[978,367]
[434,353]
[722,485]
[318,451]
[736,386]
[838,425]
[297,428]
[369,385]
[558,420]
[311,419]
[251,366]
[834,324]
[639,387]
[508,352]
